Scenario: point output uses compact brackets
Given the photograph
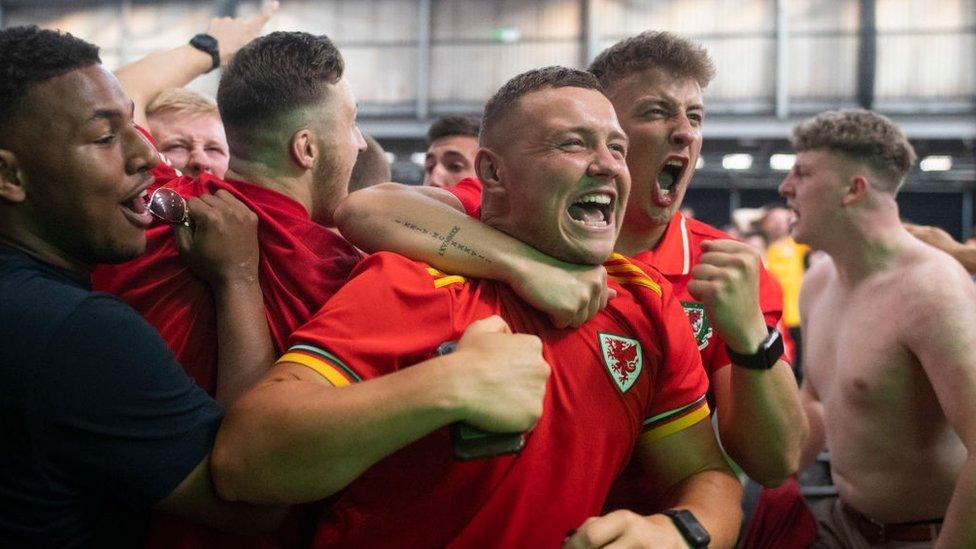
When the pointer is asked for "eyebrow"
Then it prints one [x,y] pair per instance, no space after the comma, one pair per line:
[102,114]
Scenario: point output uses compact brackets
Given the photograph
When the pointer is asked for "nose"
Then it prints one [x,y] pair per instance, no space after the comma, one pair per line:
[361,144]
[605,163]
[683,133]
[786,188]
[437,177]
[198,162]
[140,154]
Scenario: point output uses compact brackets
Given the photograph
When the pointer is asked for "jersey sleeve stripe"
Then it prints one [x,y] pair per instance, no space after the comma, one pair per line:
[624,268]
[674,423]
[639,281]
[321,360]
[444,281]
[331,374]
[664,417]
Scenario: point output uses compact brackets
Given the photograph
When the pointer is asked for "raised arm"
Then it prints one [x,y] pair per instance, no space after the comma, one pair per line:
[760,418]
[692,474]
[222,248]
[296,438]
[940,329]
[146,78]
[425,223]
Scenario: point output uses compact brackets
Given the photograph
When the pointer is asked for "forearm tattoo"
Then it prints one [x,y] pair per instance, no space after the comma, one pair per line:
[444,241]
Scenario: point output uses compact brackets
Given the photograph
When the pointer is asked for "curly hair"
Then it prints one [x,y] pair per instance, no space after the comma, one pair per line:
[507,97]
[449,126]
[30,55]
[275,74]
[678,56]
[861,136]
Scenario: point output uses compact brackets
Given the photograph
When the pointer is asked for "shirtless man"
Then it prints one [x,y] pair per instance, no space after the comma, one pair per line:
[889,327]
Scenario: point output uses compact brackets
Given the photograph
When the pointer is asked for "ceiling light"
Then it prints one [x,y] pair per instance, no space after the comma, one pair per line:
[739,161]
[782,162]
[936,163]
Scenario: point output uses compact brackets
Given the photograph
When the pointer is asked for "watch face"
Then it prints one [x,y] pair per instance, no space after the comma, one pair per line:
[204,42]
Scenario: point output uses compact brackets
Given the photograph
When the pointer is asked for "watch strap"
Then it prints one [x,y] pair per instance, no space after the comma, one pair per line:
[692,530]
[770,350]
[207,44]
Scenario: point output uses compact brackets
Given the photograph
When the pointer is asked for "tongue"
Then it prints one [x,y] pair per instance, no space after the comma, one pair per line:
[665,180]
[588,213]
[137,205]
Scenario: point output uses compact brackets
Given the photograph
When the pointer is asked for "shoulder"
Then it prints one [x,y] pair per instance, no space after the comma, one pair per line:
[932,279]
[632,274]
[703,231]
[821,271]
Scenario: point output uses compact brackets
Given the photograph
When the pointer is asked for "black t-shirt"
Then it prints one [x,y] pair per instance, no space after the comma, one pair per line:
[98,422]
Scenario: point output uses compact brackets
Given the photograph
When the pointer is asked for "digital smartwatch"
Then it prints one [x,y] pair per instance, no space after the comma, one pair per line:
[692,530]
[207,44]
[765,357]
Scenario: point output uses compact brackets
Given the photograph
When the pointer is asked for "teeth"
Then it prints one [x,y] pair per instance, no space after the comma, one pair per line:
[595,198]
[676,162]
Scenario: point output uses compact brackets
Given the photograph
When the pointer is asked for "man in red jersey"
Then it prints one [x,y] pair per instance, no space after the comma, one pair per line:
[654,81]
[291,125]
[628,380]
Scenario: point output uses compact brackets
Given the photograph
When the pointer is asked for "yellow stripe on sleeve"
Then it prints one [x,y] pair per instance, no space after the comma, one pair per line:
[645,282]
[625,267]
[444,281]
[683,422]
[332,374]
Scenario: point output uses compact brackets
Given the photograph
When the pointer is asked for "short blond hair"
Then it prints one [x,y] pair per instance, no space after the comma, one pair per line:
[863,137]
[182,101]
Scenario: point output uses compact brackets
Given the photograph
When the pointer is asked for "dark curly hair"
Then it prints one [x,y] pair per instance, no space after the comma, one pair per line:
[275,74]
[507,97]
[29,56]
[449,126]
[678,56]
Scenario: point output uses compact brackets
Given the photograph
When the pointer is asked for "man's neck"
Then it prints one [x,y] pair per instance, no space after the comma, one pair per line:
[42,250]
[296,188]
[874,241]
[637,240]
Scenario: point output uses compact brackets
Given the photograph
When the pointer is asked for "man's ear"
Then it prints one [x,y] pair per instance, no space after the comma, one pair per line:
[486,166]
[11,178]
[303,149]
[857,187]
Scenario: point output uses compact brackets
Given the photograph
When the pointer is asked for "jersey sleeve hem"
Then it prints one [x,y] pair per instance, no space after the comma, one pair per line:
[672,421]
[322,362]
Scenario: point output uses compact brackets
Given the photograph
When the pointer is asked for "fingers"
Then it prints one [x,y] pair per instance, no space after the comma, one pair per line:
[491,324]
[598,531]
[269,8]
[184,237]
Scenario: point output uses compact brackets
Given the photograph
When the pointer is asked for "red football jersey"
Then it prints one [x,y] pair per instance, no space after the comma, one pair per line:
[632,369]
[676,254]
[302,265]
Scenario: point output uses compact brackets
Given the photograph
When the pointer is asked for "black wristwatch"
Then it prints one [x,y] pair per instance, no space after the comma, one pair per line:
[692,530]
[765,357]
[207,44]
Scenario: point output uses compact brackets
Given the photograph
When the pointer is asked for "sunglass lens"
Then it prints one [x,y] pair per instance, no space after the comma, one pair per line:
[167,205]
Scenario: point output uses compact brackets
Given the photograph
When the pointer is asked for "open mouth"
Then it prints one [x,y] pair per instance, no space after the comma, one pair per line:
[592,210]
[670,174]
[135,208]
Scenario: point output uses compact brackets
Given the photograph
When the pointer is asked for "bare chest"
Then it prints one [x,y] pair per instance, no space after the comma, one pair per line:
[856,360]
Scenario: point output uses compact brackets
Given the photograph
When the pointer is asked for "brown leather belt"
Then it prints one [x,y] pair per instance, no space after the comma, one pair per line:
[875,532]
